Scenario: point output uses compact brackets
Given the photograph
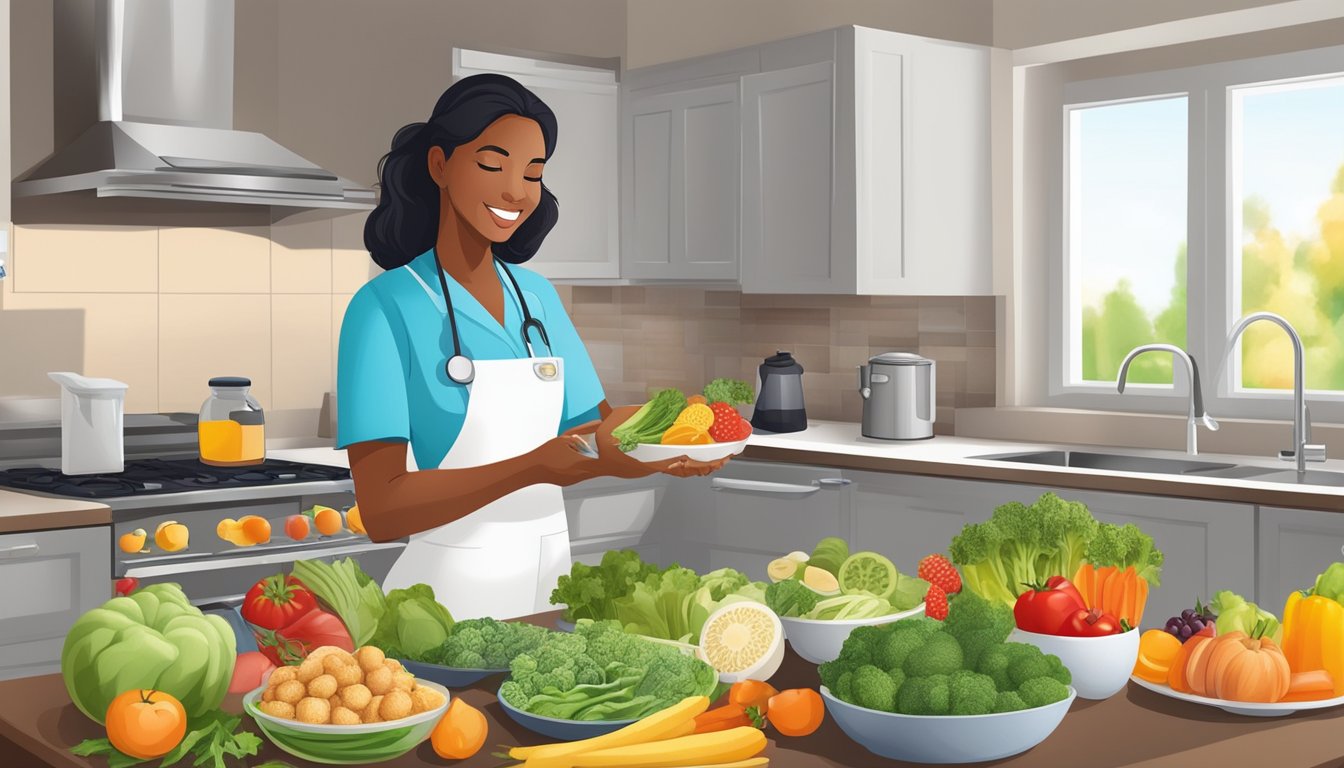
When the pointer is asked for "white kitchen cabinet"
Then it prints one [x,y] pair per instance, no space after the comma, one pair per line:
[906,517]
[1296,545]
[867,171]
[53,578]
[607,514]
[681,173]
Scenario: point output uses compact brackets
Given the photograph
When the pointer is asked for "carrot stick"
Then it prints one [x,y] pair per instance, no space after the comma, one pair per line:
[1107,582]
[1084,580]
[1140,602]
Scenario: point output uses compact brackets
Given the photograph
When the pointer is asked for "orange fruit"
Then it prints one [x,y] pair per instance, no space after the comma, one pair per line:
[353,519]
[1159,646]
[461,733]
[145,724]
[257,530]
[327,520]
[133,542]
[171,536]
[296,527]
[684,434]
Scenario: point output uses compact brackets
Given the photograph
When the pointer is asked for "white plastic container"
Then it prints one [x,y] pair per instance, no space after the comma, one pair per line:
[91,424]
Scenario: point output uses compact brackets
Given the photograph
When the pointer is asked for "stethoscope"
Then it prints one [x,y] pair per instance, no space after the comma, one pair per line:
[460,368]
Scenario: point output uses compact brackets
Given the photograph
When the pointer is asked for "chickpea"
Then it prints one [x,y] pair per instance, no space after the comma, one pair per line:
[277,709]
[343,716]
[268,694]
[290,693]
[332,662]
[425,699]
[309,669]
[356,696]
[370,714]
[336,702]
[403,681]
[396,705]
[379,681]
[283,675]
[322,687]
[393,665]
[369,658]
[323,652]
[349,674]
[313,711]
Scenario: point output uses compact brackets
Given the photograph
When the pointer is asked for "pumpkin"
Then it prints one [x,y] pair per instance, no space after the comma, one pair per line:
[1176,675]
[1197,668]
[1247,668]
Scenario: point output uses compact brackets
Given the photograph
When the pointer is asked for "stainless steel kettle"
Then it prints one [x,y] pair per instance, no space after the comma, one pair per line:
[898,390]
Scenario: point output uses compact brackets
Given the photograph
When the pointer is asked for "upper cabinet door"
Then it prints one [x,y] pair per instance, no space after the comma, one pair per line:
[789,185]
[682,204]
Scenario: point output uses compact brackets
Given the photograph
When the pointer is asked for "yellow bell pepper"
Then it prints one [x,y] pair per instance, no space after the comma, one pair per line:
[1313,636]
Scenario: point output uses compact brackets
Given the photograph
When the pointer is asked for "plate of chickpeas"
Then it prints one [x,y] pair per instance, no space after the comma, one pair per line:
[342,707]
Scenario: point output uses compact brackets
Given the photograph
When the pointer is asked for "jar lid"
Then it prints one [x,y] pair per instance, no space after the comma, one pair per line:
[230,381]
[248,418]
[900,358]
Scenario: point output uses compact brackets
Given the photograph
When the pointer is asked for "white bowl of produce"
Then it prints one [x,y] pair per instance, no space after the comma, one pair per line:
[947,738]
[1100,666]
[819,640]
[653,452]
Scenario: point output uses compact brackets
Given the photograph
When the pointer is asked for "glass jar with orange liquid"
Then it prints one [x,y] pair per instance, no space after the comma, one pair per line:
[231,431]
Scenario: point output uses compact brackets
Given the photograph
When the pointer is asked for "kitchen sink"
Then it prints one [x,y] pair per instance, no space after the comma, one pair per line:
[1267,475]
[1111,461]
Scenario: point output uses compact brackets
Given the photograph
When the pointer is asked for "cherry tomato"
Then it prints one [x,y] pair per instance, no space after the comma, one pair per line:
[796,712]
[1044,610]
[1064,585]
[1090,623]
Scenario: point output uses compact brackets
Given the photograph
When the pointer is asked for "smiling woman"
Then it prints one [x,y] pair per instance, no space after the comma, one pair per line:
[464,388]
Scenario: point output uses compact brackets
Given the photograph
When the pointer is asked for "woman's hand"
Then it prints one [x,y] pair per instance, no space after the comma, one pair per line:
[612,462]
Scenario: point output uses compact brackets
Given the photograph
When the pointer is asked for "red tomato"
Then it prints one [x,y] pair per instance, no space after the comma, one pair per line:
[1064,585]
[312,631]
[1044,610]
[277,601]
[1090,623]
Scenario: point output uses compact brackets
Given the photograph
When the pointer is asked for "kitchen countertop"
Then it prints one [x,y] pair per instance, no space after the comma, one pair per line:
[21,512]
[841,445]
[1133,728]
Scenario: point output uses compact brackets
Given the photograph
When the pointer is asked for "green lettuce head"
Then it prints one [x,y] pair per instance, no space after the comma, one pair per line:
[154,640]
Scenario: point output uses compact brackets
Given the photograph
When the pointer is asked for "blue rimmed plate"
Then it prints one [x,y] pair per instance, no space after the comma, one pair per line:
[449,677]
[562,730]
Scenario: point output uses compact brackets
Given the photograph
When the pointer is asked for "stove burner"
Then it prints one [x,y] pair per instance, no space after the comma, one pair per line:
[154,476]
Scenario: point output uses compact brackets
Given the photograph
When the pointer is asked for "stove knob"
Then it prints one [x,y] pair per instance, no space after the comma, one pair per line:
[286,476]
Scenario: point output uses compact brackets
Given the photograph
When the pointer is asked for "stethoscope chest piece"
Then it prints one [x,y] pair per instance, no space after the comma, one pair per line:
[461,369]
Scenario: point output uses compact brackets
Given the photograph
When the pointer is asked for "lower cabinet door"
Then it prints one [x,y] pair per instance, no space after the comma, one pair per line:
[1296,545]
[906,517]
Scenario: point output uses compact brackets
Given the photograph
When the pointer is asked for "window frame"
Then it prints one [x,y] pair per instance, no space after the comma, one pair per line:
[1213,290]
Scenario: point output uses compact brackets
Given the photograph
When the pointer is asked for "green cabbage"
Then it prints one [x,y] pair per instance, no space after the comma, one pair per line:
[155,639]
[413,624]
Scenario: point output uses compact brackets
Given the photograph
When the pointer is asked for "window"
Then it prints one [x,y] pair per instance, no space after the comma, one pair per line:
[1188,199]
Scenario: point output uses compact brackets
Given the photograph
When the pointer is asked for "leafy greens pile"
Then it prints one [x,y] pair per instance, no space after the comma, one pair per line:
[794,598]
[485,644]
[1021,545]
[669,604]
[600,672]
[413,624]
[349,591]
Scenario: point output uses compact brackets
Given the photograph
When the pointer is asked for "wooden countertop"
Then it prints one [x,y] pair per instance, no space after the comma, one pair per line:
[21,512]
[1133,728]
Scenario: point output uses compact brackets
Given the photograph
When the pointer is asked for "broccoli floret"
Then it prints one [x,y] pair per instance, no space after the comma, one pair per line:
[891,649]
[1028,664]
[830,672]
[897,678]
[921,624]
[873,688]
[844,687]
[971,693]
[939,655]
[977,624]
[854,654]
[1040,691]
[1008,701]
[924,696]
[1058,671]
[995,661]
[790,598]
[512,691]
[1123,546]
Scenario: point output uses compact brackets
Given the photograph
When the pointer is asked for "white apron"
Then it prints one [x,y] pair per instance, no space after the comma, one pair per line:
[503,559]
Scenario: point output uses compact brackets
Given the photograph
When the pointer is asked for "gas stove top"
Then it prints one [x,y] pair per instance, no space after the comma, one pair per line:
[160,476]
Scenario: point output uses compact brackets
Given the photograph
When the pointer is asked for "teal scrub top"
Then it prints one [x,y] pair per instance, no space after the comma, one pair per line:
[390,381]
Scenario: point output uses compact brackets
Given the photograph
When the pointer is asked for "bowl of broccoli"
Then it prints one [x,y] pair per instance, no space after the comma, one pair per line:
[1101,666]
[953,691]
[820,640]
[475,649]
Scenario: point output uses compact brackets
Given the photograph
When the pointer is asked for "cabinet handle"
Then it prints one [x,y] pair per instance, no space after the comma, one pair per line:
[763,486]
[21,548]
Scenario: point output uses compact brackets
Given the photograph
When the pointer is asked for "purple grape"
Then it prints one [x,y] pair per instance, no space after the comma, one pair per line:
[1186,633]
[1188,614]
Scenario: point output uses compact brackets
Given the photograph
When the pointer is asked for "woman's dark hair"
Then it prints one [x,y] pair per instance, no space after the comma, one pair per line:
[406,222]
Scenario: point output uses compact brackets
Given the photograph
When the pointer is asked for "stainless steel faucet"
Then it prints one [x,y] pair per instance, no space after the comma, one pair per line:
[1302,449]
[1197,413]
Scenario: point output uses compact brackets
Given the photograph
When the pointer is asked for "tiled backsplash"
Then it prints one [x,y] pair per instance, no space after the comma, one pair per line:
[166,308]
[643,337]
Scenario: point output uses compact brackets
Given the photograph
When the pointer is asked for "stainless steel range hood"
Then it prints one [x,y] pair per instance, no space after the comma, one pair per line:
[165,130]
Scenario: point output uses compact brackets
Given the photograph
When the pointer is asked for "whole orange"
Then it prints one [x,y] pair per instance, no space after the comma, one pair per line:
[461,733]
[328,521]
[145,724]
[296,527]
[256,529]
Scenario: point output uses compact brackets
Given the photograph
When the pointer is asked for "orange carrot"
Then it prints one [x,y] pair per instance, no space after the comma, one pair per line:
[1108,583]
[1310,686]
[1085,580]
[1140,601]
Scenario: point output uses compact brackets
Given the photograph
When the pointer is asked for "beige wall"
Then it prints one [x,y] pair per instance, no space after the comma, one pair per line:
[1024,23]
[660,31]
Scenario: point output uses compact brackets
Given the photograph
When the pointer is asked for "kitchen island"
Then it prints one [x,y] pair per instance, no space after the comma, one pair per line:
[39,725]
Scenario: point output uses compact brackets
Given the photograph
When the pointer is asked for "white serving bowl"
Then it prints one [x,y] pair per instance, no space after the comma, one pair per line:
[947,738]
[819,640]
[707,452]
[1100,666]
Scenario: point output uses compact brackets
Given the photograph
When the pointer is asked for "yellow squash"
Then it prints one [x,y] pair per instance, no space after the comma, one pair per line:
[1313,636]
